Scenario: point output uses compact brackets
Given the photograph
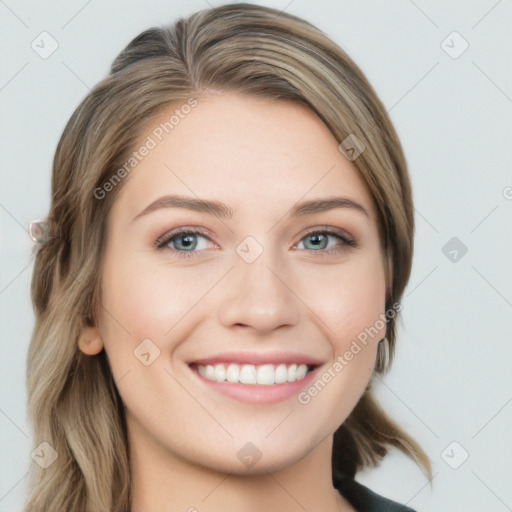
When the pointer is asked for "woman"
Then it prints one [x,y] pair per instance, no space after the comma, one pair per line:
[229,238]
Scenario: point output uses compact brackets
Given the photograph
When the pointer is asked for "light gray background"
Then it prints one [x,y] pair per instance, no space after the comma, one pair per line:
[451,377]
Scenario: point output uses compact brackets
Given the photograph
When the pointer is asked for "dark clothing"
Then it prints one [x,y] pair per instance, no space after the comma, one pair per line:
[365,500]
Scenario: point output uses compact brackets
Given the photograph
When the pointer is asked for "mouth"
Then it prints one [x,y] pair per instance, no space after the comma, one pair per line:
[254,375]
[256,378]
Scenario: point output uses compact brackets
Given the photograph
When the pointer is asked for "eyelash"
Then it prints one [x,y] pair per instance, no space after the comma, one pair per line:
[163,241]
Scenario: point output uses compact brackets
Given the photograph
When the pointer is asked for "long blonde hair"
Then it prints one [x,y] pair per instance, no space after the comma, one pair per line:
[73,401]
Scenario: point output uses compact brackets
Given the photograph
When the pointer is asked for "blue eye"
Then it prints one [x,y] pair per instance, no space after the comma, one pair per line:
[185,243]
[321,238]
[182,241]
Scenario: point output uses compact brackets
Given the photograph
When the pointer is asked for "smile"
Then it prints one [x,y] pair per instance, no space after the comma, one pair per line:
[256,378]
[250,374]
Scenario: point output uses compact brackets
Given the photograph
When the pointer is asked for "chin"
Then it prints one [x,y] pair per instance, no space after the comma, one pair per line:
[263,465]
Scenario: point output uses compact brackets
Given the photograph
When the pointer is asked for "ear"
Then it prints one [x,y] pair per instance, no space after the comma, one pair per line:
[90,341]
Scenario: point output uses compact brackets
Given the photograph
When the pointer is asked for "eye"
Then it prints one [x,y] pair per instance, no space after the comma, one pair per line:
[319,240]
[184,241]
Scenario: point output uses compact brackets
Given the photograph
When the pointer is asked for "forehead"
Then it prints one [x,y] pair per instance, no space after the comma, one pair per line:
[241,150]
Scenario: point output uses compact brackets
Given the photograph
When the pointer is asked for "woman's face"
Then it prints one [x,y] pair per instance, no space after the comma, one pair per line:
[261,288]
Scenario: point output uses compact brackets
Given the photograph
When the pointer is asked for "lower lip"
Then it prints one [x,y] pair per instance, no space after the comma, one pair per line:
[258,394]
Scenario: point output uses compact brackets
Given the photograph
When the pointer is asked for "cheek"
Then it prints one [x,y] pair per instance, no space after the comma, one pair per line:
[352,308]
[134,292]
[144,300]
[129,303]
[351,302]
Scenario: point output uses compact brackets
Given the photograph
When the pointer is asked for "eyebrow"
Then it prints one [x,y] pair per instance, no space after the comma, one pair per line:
[224,211]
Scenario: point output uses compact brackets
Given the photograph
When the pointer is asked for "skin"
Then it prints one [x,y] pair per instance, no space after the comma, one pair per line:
[260,157]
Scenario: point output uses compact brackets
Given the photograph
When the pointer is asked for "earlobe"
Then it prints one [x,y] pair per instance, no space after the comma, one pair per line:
[89,341]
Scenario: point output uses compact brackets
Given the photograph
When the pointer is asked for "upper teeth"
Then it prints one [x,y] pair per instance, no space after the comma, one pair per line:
[265,374]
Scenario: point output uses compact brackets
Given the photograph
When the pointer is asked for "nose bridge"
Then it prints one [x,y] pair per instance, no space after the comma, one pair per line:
[257,291]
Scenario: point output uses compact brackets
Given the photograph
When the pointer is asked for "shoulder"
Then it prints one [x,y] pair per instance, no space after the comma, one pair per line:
[364,499]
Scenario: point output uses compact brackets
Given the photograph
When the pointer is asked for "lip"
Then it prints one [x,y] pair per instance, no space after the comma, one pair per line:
[258,358]
[257,394]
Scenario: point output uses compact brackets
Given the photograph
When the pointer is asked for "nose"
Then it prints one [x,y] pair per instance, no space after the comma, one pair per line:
[259,296]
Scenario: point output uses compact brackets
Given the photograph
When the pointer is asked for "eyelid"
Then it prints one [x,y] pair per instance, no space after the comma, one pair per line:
[332,231]
[161,240]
